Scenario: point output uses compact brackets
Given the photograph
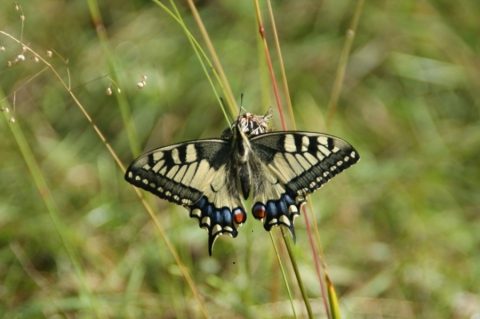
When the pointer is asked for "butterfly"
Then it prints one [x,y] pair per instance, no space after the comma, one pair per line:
[208,176]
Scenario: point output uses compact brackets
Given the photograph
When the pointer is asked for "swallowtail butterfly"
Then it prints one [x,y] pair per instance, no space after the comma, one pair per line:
[208,176]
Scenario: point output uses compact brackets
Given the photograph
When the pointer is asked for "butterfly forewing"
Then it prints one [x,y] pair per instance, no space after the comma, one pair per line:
[177,172]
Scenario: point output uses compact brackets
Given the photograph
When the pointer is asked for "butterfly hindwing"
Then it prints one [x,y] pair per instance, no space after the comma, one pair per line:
[293,165]
[197,175]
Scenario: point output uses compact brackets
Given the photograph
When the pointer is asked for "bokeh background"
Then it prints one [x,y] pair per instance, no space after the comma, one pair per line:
[400,230]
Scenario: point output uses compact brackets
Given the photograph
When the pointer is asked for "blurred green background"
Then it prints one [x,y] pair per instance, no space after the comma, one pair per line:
[400,230]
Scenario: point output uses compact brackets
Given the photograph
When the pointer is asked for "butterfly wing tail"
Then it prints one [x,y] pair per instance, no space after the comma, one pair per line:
[217,221]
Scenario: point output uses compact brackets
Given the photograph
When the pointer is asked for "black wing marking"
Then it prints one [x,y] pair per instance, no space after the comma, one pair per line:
[197,175]
[291,165]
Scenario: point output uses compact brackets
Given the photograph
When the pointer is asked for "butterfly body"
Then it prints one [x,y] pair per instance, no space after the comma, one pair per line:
[208,176]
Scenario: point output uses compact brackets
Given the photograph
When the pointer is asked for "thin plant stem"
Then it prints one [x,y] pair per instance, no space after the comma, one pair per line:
[174,253]
[332,298]
[315,259]
[121,99]
[197,48]
[292,118]
[332,106]
[261,30]
[342,64]
[320,252]
[284,275]
[24,84]
[229,95]
[282,67]
[297,272]
[47,198]
[112,152]
[284,126]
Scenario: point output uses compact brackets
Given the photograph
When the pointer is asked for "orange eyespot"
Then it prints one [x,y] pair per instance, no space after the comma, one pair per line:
[239,216]
[259,211]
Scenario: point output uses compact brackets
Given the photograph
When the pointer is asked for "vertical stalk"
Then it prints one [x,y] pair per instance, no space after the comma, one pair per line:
[342,64]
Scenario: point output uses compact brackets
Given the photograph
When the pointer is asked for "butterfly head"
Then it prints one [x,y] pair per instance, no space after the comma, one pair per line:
[249,124]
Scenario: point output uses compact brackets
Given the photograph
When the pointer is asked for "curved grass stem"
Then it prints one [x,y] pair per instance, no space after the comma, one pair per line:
[228,91]
[284,275]
[284,126]
[112,64]
[200,53]
[85,292]
[112,152]
[342,64]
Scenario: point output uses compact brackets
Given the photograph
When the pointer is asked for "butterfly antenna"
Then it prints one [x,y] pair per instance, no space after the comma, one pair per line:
[241,105]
